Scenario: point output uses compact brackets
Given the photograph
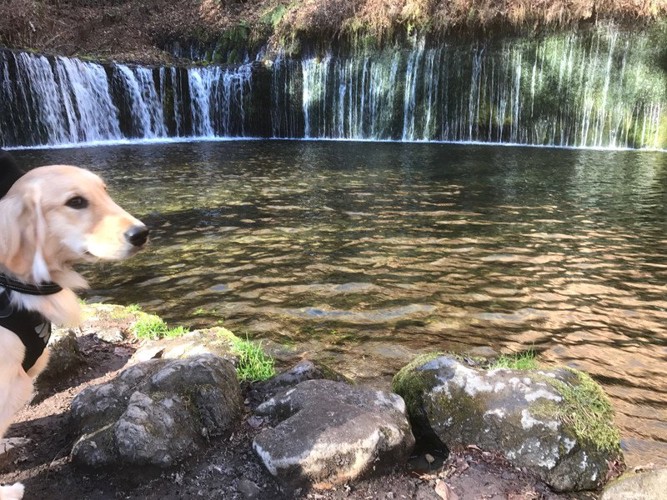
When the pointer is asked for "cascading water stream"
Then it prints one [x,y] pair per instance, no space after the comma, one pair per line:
[582,90]
[90,113]
[65,101]
[143,101]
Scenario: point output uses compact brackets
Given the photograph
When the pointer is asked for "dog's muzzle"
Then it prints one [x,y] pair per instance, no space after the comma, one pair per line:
[137,235]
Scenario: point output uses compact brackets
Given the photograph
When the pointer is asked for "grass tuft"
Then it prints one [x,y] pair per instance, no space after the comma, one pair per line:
[253,363]
[520,361]
[133,308]
[153,327]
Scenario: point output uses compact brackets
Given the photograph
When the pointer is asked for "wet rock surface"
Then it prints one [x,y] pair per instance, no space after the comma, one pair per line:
[215,341]
[64,355]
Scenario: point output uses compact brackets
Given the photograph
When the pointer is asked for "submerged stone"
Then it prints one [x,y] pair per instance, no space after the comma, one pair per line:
[556,423]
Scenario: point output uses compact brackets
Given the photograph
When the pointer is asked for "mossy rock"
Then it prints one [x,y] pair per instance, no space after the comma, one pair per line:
[557,423]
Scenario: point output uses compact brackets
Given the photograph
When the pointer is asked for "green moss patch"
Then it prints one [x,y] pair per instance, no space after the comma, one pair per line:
[587,411]
[410,384]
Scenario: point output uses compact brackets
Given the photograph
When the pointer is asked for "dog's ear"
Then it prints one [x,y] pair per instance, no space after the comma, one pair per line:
[23,230]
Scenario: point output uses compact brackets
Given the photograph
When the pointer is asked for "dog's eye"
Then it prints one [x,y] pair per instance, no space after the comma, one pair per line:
[77,202]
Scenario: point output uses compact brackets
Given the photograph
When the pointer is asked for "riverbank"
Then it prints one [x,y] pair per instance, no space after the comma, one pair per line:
[228,468]
[145,32]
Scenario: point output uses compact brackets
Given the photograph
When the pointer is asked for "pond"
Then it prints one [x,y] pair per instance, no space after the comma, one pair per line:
[365,254]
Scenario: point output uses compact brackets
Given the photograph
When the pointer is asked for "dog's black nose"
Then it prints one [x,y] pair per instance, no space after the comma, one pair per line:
[137,235]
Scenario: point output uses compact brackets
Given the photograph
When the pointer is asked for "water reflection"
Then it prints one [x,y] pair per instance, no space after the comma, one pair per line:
[364,254]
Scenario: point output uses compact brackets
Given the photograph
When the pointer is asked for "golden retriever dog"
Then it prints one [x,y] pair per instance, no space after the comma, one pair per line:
[51,218]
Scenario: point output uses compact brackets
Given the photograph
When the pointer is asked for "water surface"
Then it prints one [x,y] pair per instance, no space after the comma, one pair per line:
[364,254]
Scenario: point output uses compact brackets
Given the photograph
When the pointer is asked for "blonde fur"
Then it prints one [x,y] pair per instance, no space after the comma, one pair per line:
[44,232]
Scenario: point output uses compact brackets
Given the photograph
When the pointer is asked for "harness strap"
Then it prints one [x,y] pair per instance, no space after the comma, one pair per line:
[31,327]
[48,288]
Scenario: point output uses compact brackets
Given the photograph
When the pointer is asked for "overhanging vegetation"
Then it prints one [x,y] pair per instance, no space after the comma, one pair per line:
[138,31]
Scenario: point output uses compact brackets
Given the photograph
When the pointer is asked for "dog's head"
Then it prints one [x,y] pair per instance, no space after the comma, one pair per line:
[57,215]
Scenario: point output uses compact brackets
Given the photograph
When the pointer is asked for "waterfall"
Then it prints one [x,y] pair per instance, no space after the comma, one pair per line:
[218,100]
[143,102]
[601,88]
[285,86]
[54,101]
[63,101]
[589,90]
[200,91]
[91,115]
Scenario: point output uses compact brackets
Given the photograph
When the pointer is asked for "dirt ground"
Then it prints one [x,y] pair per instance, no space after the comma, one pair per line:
[229,469]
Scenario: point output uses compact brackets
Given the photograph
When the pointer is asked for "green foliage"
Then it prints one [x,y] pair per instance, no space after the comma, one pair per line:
[153,327]
[231,44]
[273,16]
[520,361]
[253,363]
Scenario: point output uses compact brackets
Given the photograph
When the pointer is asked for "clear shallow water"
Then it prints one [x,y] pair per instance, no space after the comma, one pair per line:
[364,254]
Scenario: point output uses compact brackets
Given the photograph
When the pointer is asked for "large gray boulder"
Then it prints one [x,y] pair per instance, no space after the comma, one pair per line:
[328,432]
[156,413]
[556,423]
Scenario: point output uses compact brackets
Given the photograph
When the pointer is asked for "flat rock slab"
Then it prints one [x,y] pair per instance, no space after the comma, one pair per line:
[329,432]
[10,448]
[302,371]
[156,413]
[108,322]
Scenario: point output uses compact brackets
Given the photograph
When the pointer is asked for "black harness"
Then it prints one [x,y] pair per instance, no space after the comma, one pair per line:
[31,327]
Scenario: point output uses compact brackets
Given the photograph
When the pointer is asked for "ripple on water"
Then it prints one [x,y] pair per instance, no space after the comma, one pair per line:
[378,316]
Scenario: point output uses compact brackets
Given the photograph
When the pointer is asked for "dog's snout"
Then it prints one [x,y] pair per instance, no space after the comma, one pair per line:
[137,235]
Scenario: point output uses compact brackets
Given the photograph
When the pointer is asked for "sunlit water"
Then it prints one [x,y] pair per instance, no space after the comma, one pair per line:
[364,254]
